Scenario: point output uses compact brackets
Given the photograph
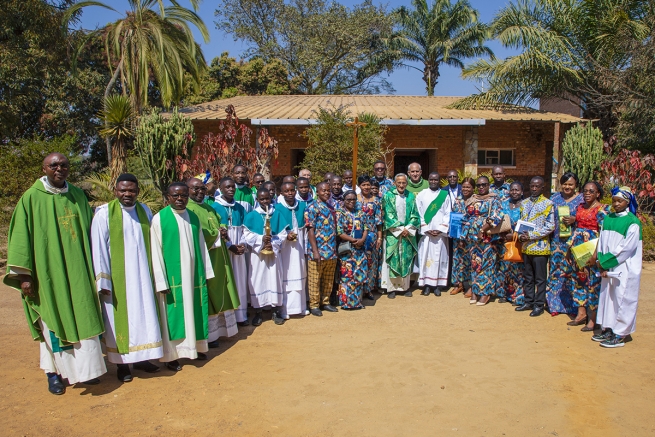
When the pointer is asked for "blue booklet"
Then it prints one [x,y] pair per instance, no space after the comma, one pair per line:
[455,228]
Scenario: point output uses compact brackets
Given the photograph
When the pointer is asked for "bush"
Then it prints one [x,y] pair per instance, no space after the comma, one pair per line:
[648,237]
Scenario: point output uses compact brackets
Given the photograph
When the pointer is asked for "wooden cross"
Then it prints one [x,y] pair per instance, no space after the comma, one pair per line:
[356,125]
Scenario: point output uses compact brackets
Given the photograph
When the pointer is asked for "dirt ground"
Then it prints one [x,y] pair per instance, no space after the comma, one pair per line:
[421,366]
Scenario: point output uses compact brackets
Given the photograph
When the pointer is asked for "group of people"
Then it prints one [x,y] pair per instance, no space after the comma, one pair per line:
[140,287]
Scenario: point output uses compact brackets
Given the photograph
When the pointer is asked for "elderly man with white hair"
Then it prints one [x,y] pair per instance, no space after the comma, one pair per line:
[401,222]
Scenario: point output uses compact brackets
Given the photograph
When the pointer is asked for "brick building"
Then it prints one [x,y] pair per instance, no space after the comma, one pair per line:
[421,129]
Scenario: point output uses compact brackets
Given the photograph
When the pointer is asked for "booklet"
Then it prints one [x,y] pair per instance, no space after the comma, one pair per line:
[564,229]
[583,252]
[523,226]
[455,228]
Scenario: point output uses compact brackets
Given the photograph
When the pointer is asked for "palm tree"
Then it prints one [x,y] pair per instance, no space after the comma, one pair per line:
[118,128]
[566,43]
[152,44]
[439,33]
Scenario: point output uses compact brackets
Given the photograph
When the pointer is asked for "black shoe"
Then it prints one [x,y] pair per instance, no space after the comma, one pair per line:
[426,291]
[437,291]
[537,311]
[213,344]
[146,366]
[277,318]
[392,295]
[408,294]
[316,312]
[244,323]
[55,386]
[330,308]
[201,356]
[93,381]
[174,366]
[501,300]
[123,373]
[523,307]
[369,296]
[257,320]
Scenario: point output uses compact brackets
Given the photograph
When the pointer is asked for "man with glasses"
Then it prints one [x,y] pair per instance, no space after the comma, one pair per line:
[56,279]
[454,189]
[181,268]
[380,171]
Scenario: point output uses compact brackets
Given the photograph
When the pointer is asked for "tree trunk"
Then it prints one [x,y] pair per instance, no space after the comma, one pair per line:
[430,77]
[118,164]
[110,86]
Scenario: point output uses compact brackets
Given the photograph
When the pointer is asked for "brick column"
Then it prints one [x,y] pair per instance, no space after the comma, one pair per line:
[471,150]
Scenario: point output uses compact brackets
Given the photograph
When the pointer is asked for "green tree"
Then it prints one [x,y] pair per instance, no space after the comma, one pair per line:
[438,33]
[564,43]
[119,121]
[331,143]
[325,46]
[582,151]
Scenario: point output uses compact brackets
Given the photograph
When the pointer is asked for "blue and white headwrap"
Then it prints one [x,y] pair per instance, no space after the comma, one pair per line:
[206,177]
[626,193]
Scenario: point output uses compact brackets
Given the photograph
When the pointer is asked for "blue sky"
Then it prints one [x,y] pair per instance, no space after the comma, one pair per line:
[405,81]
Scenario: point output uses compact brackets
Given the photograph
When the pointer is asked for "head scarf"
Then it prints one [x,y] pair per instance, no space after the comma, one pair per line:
[626,193]
[205,177]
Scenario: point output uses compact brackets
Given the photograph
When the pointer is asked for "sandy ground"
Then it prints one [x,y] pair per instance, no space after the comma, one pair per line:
[422,366]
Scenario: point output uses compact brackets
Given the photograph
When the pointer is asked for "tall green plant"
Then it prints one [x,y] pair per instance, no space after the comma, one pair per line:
[161,143]
[118,128]
[582,151]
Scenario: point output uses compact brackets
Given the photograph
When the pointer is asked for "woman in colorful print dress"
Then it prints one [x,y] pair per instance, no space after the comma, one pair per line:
[483,212]
[559,292]
[351,227]
[461,270]
[511,273]
[372,210]
[586,281]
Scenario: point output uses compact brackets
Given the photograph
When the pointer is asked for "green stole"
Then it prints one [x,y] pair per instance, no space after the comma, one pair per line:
[400,252]
[174,300]
[118,281]
[435,206]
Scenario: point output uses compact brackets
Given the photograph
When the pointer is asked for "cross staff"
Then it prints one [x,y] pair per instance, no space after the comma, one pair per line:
[356,125]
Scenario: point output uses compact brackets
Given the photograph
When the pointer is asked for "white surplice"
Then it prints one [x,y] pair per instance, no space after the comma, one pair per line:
[294,268]
[399,283]
[433,251]
[189,346]
[265,278]
[239,264]
[144,333]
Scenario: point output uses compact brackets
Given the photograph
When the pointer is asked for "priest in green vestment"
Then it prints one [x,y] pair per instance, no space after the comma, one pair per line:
[416,183]
[221,289]
[401,222]
[49,262]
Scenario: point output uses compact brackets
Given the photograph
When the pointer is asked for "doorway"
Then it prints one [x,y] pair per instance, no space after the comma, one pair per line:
[403,158]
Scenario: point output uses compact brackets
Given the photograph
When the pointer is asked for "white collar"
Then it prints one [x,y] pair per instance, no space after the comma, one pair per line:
[224,202]
[51,188]
[270,211]
[622,214]
[284,203]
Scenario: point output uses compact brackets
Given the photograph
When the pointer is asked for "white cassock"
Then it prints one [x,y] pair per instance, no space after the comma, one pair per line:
[619,293]
[144,333]
[399,283]
[239,264]
[187,347]
[265,278]
[433,251]
[294,268]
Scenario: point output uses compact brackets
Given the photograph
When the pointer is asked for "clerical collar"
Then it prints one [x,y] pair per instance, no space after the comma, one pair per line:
[51,188]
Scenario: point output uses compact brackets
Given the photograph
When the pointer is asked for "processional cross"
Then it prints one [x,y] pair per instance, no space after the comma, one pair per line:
[356,125]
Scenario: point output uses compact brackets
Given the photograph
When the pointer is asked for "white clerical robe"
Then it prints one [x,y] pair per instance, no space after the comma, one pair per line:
[239,264]
[433,251]
[399,283]
[189,346]
[144,333]
[619,292]
[265,278]
[294,267]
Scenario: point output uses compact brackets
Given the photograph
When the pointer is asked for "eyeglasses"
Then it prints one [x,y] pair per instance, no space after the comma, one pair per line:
[350,200]
[589,191]
[379,168]
[179,196]
[481,185]
[56,166]
[203,188]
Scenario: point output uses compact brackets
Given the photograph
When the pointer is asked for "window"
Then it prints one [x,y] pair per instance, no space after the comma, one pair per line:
[487,157]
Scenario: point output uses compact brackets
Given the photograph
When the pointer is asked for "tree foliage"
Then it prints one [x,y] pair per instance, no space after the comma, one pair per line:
[633,169]
[438,33]
[331,143]
[325,47]
[119,127]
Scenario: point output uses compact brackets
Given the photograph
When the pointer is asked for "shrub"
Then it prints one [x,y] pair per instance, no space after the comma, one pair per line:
[582,150]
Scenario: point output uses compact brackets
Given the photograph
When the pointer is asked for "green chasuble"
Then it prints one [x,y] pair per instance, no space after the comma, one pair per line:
[222,288]
[49,236]
[243,194]
[170,233]
[400,252]
[418,187]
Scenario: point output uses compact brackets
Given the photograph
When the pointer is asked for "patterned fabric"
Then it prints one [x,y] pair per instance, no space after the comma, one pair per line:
[400,252]
[354,265]
[559,291]
[372,210]
[385,186]
[477,212]
[586,285]
[502,192]
[541,213]
[511,273]
[320,276]
[461,269]
[335,202]
[320,217]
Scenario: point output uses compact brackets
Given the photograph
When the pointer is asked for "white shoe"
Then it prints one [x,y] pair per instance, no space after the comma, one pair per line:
[307,312]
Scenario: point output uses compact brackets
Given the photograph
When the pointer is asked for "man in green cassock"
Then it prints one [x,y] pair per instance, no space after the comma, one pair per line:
[49,262]
[401,222]
[221,289]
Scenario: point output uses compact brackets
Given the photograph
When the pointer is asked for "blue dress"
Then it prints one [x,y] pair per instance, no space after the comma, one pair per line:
[461,270]
[372,210]
[511,273]
[559,291]
[353,266]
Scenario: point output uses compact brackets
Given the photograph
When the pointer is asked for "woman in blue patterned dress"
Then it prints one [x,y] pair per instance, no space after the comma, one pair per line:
[559,291]
[589,218]
[483,212]
[511,273]
[372,210]
[461,271]
[351,227]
